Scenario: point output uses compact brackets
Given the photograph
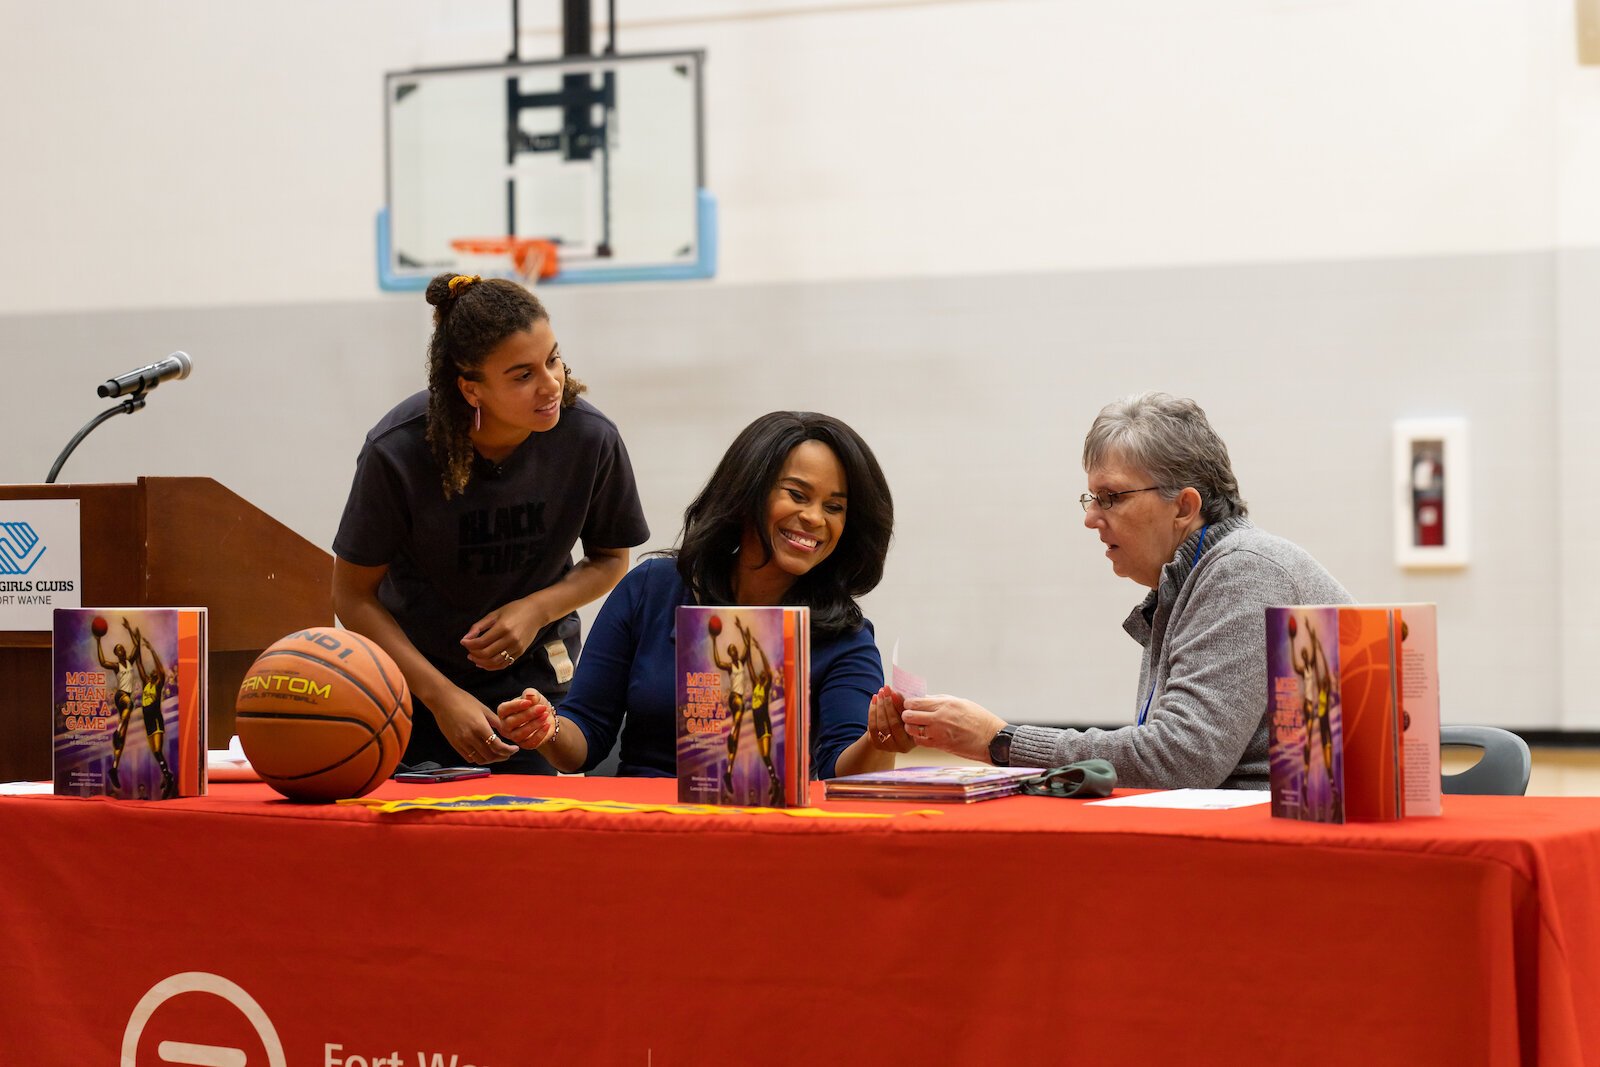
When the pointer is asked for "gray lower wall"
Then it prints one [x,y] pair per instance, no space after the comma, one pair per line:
[975,393]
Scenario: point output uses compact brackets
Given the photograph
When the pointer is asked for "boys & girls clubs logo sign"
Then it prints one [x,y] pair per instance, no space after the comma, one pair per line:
[40,562]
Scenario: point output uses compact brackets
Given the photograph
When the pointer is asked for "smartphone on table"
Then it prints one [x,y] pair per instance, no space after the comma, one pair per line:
[440,774]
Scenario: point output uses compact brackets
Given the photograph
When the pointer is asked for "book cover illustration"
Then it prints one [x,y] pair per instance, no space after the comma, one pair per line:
[740,679]
[1333,698]
[1307,762]
[965,784]
[128,690]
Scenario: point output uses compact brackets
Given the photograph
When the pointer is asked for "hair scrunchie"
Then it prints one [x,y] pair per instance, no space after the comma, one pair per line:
[461,281]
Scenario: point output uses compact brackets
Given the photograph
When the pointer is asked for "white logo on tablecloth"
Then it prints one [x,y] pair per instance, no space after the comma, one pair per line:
[200,1055]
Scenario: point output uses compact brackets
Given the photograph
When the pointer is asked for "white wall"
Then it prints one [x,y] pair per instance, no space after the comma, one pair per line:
[191,153]
[1313,215]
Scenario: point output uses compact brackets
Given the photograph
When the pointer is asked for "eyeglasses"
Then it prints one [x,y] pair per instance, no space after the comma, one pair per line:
[1105,501]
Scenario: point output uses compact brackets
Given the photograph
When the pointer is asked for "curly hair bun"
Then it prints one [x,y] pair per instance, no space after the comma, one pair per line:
[445,289]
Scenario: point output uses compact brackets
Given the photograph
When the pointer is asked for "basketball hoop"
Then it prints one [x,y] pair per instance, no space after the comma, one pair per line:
[531,258]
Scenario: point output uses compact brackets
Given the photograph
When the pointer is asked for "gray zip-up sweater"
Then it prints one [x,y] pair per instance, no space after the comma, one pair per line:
[1204,673]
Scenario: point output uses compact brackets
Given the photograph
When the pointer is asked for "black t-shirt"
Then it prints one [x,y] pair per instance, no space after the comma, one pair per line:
[511,533]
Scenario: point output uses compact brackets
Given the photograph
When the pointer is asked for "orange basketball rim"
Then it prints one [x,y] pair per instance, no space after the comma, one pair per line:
[533,257]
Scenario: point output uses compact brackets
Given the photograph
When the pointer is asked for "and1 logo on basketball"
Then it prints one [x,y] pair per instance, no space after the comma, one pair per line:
[294,684]
[321,639]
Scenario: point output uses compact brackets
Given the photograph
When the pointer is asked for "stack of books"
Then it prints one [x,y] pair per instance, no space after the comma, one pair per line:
[962,785]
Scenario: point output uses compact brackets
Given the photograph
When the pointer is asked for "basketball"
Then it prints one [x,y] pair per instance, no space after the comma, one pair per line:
[714,624]
[98,627]
[324,714]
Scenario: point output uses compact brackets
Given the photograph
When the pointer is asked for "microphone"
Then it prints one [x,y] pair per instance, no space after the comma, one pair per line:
[177,365]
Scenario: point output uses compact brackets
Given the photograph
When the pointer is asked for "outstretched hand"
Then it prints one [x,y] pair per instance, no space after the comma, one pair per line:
[886,730]
[952,725]
[529,720]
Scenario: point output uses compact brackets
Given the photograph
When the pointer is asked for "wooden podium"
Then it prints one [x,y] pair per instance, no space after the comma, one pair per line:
[168,542]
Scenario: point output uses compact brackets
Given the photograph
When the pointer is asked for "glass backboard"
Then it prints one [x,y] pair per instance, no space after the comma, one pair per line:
[601,157]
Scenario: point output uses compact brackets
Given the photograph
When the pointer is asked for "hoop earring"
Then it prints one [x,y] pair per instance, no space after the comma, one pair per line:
[477,417]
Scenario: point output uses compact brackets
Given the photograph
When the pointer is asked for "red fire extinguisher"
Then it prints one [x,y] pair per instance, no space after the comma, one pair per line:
[1427,499]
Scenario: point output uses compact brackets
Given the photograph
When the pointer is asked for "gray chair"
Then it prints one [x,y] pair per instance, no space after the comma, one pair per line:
[1504,768]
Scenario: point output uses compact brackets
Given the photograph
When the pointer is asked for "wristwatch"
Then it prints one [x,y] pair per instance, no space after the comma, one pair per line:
[1000,746]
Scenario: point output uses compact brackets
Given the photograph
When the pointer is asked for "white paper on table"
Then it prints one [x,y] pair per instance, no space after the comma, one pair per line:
[903,681]
[26,789]
[1193,799]
[230,764]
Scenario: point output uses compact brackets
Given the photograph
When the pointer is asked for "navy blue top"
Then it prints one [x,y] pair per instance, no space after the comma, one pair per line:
[626,679]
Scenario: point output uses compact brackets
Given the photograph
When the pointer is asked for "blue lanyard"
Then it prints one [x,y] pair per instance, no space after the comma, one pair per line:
[1145,711]
[1200,546]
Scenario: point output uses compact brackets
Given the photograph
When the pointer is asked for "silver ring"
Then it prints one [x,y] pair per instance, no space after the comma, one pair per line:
[924,731]
[883,738]
[507,657]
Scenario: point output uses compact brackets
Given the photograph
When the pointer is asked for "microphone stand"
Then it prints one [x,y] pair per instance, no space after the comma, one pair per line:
[127,407]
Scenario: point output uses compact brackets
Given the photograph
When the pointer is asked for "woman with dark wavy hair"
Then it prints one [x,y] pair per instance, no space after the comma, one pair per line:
[455,549]
[797,513]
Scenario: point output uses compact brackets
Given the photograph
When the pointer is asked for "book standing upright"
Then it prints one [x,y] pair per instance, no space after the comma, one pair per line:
[1353,708]
[743,702]
[129,702]
[1335,712]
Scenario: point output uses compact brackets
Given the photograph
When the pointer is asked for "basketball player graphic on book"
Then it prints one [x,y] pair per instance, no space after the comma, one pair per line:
[1320,689]
[124,691]
[748,691]
[761,686]
[152,688]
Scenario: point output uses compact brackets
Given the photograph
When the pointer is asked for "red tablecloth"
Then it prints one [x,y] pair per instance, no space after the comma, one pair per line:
[1021,930]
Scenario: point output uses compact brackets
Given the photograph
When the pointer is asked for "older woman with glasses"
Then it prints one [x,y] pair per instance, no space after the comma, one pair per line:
[1163,499]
